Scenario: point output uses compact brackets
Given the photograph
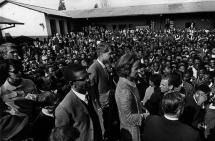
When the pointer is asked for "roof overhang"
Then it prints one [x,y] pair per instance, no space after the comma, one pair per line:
[9,22]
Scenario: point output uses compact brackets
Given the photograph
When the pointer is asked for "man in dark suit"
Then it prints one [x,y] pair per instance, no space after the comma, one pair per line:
[194,109]
[103,93]
[76,109]
[168,127]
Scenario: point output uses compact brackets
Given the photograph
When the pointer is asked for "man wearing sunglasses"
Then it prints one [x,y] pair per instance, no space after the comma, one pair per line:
[76,110]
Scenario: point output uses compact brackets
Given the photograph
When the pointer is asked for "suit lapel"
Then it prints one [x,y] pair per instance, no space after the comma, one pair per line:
[78,102]
[103,70]
[136,96]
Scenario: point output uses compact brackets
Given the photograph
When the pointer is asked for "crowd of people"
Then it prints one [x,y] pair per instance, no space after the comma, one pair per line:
[109,85]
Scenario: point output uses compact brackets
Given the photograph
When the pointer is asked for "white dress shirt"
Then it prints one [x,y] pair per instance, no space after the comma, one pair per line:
[81,96]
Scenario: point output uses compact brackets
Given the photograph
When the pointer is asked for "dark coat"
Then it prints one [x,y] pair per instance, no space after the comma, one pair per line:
[158,128]
[103,95]
[100,82]
[193,114]
[210,123]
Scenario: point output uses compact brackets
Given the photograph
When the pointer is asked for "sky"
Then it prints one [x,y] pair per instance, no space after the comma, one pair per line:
[88,4]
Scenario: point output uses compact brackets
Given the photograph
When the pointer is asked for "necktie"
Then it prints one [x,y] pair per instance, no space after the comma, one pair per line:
[86,99]
[106,71]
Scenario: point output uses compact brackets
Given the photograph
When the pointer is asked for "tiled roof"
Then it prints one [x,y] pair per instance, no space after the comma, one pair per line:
[8,21]
[153,9]
[39,9]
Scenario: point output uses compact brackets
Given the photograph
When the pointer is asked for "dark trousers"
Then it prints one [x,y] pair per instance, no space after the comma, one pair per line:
[111,121]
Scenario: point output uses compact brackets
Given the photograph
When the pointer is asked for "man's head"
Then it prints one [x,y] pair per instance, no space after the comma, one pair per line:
[15,72]
[170,82]
[173,104]
[197,63]
[3,71]
[104,52]
[9,51]
[78,77]
[201,94]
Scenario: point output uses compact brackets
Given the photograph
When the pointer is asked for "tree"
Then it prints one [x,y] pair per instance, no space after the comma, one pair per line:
[62,5]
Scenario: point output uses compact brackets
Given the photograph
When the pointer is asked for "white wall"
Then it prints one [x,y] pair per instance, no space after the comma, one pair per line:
[32,21]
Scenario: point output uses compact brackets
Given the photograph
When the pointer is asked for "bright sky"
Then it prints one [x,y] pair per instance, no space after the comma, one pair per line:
[87,4]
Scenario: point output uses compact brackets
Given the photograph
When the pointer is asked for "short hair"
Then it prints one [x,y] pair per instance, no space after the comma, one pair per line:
[4,48]
[17,64]
[174,79]
[172,102]
[156,79]
[204,88]
[125,63]
[102,48]
[3,71]
[64,133]
[70,70]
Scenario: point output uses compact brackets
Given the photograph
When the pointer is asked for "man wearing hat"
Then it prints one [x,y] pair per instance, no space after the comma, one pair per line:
[76,110]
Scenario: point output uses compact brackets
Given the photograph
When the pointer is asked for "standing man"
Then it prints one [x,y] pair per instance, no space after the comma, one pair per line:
[101,84]
[76,110]
[168,127]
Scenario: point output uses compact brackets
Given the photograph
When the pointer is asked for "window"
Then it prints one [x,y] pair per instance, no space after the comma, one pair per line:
[61,23]
[68,26]
[53,27]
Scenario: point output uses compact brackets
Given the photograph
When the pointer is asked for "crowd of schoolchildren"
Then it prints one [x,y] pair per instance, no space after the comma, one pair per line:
[190,53]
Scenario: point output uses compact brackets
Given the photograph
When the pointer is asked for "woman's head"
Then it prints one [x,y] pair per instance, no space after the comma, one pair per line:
[125,64]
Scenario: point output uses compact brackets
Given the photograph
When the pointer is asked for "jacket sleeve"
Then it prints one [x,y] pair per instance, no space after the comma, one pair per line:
[128,107]
[94,86]
[61,116]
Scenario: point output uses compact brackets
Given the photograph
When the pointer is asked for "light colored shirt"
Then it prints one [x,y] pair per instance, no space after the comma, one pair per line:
[170,118]
[81,96]
[103,65]
[211,106]
[148,94]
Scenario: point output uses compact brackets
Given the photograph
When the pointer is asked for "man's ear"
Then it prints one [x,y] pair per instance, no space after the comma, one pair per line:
[71,83]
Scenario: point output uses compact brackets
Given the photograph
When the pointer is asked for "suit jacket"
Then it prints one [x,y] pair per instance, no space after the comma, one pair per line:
[74,112]
[128,103]
[158,128]
[193,114]
[209,120]
[100,83]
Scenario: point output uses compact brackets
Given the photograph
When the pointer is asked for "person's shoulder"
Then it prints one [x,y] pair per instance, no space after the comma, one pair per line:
[93,66]
[68,99]
[188,129]
[153,118]
[27,81]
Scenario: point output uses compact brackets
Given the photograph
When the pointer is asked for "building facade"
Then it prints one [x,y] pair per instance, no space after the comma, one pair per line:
[41,22]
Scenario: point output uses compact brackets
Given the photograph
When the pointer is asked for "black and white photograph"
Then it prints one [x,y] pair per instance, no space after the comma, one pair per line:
[107,70]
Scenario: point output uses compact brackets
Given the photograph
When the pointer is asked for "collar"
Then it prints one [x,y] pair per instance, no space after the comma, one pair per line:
[210,85]
[170,118]
[80,96]
[211,107]
[10,87]
[195,99]
[128,81]
[103,66]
